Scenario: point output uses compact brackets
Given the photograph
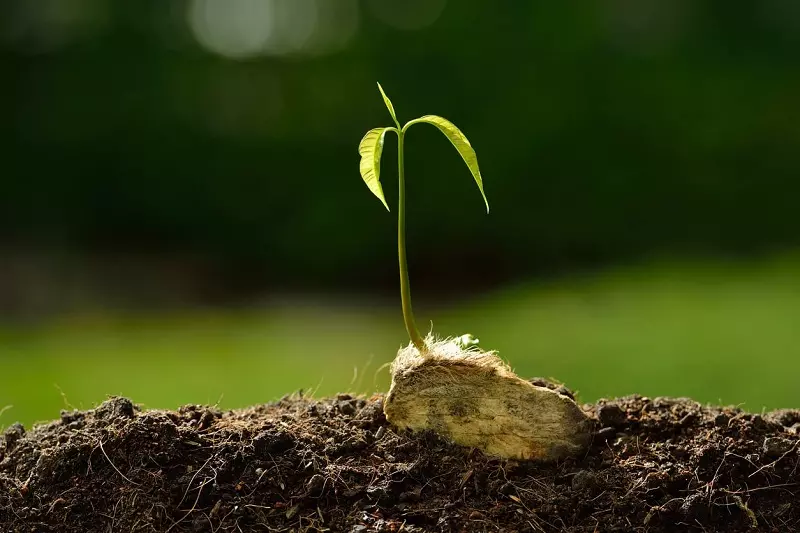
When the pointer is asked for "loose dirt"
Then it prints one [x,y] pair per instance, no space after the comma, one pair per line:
[336,465]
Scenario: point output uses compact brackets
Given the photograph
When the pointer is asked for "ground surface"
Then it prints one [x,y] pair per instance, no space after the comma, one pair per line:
[335,465]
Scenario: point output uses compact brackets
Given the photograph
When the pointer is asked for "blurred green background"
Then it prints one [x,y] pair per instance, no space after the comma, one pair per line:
[182,219]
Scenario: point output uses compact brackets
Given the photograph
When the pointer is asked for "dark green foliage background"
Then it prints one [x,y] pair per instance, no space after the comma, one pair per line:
[604,131]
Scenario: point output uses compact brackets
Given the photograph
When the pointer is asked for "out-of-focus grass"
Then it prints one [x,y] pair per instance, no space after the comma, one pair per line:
[718,332]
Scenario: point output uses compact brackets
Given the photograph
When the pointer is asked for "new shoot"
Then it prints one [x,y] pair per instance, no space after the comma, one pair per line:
[371,148]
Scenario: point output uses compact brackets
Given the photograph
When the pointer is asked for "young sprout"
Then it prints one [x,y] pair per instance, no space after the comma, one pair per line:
[370,148]
[451,386]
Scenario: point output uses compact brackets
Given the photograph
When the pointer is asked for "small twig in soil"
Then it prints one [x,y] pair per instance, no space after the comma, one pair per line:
[114,466]
[190,511]
[710,485]
[189,486]
[762,488]
[776,461]
[743,459]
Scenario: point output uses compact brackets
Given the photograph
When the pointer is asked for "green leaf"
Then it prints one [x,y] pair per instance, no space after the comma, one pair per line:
[389,105]
[370,148]
[461,143]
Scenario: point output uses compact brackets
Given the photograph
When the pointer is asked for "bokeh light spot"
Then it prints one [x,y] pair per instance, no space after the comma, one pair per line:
[234,28]
[242,29]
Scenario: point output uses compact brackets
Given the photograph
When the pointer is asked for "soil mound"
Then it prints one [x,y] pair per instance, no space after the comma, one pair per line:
[337,465]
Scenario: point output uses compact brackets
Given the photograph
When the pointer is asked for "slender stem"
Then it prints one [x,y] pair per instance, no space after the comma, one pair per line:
[405,289]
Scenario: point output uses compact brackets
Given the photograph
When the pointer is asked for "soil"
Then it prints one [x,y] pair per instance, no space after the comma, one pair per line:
[336,465]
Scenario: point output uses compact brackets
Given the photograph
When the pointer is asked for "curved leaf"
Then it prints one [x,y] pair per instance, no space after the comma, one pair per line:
[461,143]
[371,148]
[389,105]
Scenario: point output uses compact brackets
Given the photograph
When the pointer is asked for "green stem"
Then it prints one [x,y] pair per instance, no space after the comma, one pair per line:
[405,289]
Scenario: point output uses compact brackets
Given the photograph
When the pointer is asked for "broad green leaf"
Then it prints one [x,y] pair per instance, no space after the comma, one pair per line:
[389,105]
[461,143]
[370,148]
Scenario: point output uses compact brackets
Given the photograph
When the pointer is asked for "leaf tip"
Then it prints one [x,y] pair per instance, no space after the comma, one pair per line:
[383,201]
[388,103]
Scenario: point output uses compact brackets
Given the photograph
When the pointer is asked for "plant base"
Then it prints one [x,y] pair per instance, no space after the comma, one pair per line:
[474,399]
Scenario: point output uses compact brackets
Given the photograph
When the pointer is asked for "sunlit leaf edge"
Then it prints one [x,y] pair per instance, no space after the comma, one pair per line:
[461,144]
[371,148]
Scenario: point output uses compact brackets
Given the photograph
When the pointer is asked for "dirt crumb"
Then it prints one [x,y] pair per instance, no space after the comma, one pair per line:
[655,465]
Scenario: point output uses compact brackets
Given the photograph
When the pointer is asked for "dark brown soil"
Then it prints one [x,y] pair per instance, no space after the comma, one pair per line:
[336,465]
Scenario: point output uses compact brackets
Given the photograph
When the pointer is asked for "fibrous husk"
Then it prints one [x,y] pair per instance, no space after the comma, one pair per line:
[473,398]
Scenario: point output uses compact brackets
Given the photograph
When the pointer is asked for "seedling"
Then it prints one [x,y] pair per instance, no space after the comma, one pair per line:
[371,148]
[451,386]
